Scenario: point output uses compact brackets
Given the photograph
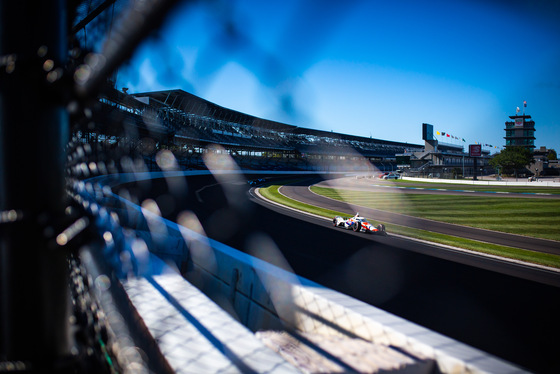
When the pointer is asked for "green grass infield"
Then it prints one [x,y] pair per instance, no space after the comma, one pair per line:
[271,193]
[471,187]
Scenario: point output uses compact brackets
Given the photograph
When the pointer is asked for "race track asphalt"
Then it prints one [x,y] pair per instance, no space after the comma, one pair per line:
[301,192]
[505,309]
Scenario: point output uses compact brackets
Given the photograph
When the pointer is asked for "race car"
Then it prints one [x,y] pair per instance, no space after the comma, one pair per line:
[359,224]
[391,176]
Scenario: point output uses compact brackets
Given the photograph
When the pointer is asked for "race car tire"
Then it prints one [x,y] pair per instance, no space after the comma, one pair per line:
[357,226]
[334,222]
[381,229]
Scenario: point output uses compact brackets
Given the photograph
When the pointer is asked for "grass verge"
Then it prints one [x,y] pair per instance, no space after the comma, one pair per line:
[472,187]
[539,218]
[271,192]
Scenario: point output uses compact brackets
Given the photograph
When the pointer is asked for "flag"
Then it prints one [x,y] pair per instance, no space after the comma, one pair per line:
[437,132]
[463,139]
[442,134]
[525,103]
[448,135]
[517,110]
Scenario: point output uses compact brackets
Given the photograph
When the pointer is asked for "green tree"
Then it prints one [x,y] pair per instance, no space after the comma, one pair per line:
[512,159]
[552,155]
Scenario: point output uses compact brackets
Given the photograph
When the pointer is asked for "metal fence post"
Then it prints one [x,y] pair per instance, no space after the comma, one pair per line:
[33,135]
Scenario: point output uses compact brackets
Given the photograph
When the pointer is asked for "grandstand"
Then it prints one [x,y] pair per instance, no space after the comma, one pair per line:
[188,125]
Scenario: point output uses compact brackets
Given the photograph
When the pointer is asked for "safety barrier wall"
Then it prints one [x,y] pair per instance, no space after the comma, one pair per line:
[260,296]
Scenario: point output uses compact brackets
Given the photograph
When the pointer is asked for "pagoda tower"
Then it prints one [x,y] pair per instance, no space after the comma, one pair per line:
[520,132]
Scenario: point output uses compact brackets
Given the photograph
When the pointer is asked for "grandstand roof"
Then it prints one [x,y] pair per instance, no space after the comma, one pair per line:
[448,147]
[190,103]
[330,134]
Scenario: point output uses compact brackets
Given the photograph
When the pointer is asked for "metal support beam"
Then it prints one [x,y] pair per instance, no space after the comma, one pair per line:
[33,136]
[91,15]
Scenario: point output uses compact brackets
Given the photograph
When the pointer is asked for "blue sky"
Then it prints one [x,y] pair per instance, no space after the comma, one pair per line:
[366,68]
